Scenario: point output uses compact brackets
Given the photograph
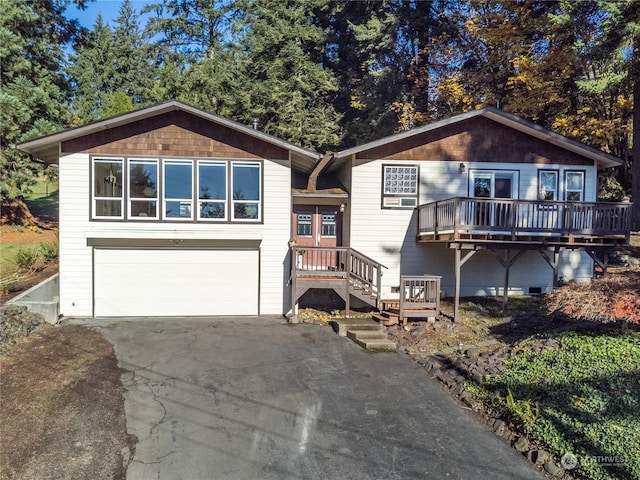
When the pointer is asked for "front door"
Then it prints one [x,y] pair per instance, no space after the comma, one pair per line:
[317,226]
[493,185]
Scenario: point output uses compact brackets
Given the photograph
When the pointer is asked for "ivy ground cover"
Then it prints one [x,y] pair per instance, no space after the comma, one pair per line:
[580,401]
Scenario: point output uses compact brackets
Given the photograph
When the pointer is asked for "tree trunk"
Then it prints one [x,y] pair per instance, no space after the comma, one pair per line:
[635,149]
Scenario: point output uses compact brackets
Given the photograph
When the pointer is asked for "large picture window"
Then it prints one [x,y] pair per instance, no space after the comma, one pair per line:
[399,186]
[107,183]
[176,190]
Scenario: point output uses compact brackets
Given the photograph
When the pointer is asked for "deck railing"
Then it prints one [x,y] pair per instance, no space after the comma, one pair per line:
[524,217]
[337,262]
[419,296]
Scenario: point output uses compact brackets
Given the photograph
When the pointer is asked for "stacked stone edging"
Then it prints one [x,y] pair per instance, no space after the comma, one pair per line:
[456,366]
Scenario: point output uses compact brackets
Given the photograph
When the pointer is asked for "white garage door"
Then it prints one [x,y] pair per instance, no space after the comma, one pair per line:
[167,283]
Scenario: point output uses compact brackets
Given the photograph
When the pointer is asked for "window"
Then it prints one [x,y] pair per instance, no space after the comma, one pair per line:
[143,189]
[574,186]
[212,190]
[107,188]
[494,184]
[304,224]
[178,189]
[245,181]
[328,224]
[547,184]
[400,186]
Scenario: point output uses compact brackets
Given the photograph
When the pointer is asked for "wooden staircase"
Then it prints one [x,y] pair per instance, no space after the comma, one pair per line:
[345,270]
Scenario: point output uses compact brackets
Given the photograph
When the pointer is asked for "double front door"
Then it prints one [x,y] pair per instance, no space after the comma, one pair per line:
[317,225]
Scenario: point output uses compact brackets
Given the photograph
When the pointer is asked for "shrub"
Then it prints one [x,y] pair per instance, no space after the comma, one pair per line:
[27,258]
[609,299]
[49,250]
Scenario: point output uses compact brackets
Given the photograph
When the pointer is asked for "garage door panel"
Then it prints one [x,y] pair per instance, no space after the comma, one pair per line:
[131,282]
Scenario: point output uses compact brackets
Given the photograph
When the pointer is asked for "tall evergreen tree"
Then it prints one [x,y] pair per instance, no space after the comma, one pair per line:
[114,69]
[32,88]
[290,93]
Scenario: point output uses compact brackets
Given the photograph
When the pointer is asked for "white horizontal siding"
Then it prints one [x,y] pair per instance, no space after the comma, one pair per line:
[76,227]
[388,235]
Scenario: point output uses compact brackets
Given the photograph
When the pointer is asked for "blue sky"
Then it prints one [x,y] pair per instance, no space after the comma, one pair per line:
[108,8]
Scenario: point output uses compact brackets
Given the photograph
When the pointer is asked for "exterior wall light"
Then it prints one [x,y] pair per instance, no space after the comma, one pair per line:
[462,167]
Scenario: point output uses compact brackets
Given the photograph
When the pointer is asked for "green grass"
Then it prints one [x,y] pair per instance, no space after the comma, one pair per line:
[581,398]
[43,200]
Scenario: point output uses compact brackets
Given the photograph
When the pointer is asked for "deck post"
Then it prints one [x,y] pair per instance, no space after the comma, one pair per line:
[293,286]
[505,288]
[552,263]
[459,262]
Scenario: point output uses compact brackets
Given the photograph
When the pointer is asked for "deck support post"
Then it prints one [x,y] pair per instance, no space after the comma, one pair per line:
[552,263]
[507,263]
[293,286]
[603,264]
[459,262]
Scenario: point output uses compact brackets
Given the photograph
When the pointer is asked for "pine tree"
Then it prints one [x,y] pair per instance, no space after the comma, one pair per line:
[32,88]
[290,93]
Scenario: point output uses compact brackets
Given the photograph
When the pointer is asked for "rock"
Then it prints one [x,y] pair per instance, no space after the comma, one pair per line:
[477,376]
[499,426]
[521,445]
[472,352]
[539,457]
[423,343]
[553,469]
[418,331]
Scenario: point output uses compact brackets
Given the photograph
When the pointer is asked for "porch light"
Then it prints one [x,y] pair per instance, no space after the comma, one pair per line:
[461,168]
[342,208]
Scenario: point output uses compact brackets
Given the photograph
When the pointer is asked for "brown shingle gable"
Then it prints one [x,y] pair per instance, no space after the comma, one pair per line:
[175,133]
[476,139]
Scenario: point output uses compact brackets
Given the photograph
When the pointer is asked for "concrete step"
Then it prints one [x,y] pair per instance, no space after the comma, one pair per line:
[382,344]
[365,334]
[371,339]
[341,325]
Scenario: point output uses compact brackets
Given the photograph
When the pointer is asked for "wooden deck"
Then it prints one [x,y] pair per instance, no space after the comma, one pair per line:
[524,221]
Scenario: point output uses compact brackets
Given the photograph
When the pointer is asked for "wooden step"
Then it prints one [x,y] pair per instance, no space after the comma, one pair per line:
[386,318]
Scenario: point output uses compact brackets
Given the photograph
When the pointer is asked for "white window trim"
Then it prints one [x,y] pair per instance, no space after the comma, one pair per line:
[400,200]
[492,175]
[258,202]
[95,199]
[310,223]
[334,223]
[214,163]
[130,199]
[566,185]
[556,192]
[165,200]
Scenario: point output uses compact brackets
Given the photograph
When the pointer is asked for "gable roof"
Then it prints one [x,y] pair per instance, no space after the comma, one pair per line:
[47,148]
[604,160]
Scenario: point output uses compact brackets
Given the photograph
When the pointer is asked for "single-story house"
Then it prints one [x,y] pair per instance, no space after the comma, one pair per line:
[173,211]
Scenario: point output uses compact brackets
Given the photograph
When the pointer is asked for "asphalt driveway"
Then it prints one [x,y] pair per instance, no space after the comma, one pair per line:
[256,398]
